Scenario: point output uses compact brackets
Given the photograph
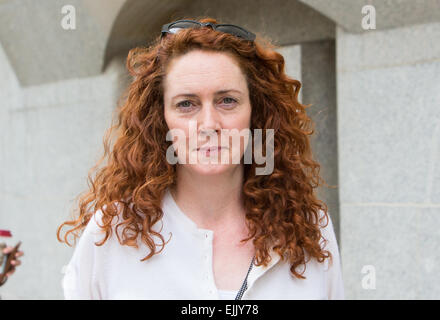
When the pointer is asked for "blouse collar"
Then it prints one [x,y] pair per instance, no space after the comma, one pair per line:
[173,209]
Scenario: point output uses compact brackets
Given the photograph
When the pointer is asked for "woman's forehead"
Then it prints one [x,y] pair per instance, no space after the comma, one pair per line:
[204,71]
[203,62]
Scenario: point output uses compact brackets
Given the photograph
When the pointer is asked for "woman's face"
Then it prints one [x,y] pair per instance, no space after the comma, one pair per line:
[205,95]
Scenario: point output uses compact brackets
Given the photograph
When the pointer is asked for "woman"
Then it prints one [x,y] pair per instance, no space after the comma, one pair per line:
[231,233]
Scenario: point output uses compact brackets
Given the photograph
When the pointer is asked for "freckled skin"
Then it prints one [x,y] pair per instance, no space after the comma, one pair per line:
[203,74]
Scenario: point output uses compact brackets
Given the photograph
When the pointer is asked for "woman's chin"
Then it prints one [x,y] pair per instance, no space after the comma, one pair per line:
[208,169]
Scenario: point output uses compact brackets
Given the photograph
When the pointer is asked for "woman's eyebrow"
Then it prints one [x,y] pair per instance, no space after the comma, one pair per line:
[216,93]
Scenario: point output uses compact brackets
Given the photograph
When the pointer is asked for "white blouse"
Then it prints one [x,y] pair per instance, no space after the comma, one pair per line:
[227,294]
[183,270]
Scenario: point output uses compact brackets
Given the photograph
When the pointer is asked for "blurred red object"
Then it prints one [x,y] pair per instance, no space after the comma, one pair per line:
[5,233]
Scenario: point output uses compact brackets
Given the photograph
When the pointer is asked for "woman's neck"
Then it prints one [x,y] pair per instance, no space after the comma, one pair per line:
[212,202]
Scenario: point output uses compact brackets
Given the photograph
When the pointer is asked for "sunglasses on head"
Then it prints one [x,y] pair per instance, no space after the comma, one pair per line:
[237,31]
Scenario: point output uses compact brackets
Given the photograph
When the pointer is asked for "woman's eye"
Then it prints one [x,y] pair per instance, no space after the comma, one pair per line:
[184,105]
[229,100]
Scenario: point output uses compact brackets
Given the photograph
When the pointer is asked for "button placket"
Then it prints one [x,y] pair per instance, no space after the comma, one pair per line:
[207,262]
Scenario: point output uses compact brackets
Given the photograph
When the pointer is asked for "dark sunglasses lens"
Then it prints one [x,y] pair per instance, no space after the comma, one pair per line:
[238,32]
[182,25]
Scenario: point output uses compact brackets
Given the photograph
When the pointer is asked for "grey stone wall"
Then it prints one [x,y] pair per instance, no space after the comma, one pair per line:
[388,95]
[51,135]
[319,90]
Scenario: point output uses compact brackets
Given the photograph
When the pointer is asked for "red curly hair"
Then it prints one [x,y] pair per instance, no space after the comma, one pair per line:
[282,211]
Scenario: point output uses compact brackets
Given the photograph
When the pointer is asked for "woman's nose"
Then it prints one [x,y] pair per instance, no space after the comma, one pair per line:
[209,119]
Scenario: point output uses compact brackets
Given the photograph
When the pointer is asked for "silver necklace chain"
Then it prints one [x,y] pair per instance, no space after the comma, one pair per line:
[244,286]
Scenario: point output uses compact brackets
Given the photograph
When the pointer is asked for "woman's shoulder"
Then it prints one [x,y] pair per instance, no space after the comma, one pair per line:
[106,219]
[328,235]
[325,222]
[102,218]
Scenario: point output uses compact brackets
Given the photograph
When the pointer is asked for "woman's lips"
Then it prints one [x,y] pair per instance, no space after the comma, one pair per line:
[210,149]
